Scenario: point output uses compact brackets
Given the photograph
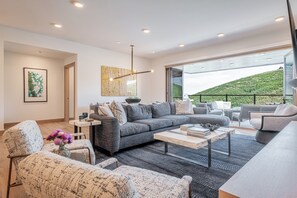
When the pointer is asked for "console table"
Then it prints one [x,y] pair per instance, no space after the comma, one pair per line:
[271,173]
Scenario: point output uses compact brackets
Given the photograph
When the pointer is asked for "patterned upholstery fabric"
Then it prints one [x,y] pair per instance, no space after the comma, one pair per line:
[23,139]
[152,184]
[26,138]
[48,175]
[80,155]
[118,112]
[184,107]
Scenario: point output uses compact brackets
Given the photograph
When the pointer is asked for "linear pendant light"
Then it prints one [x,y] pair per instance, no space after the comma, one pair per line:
[132,70]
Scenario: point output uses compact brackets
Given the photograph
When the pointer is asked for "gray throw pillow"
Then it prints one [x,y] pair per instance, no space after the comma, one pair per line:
[138,112]
[160,110]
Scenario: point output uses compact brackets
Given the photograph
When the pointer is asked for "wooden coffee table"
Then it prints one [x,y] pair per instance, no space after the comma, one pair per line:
[182,139]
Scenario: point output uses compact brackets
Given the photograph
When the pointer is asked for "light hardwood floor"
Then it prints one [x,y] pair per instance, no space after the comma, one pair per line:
[46,129]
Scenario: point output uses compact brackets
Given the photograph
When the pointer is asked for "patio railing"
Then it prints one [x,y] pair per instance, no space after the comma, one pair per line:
[238,99]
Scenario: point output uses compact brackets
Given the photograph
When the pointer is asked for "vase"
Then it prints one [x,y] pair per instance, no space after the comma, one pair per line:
[63,151]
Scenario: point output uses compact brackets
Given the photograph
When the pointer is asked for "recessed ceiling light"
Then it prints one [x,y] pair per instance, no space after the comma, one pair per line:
[181,45]
[220,35]
[222,60]
[56,25]
[153,52]
[269,59]
[146,31]
[77,3]
[118,42]
[279,19]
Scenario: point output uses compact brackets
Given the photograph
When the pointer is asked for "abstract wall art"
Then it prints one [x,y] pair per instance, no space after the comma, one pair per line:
[126,86]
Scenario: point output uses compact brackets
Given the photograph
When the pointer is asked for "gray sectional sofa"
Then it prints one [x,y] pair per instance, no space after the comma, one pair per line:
[143,122]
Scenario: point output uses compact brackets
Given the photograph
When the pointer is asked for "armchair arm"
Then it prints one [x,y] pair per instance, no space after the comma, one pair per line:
[182,188]
[108,162]
[107,135]
[276,122]
[253,115]
[80,148]
[200,110]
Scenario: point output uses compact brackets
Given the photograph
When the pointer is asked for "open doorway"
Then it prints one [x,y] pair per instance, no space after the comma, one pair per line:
[69,92]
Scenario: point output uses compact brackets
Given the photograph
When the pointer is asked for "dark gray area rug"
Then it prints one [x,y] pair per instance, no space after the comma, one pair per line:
[206,182]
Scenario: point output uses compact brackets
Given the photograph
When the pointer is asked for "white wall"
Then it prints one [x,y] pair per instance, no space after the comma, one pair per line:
[256,42]
[15,109]
[71,92]
[89,60]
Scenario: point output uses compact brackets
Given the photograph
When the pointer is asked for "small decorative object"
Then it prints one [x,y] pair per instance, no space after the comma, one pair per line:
[61,138]
[35,85]
[85,114]
[81,118]
[131,100]
[211,127]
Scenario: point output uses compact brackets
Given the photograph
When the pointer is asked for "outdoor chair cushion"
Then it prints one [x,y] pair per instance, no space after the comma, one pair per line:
[132,128]
[177,119]
[155,123]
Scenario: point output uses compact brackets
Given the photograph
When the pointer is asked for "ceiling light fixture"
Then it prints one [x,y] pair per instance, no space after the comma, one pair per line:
[279,19]
[153,52]
[77,3]
[181,45]
[132,69]
[56,25]
[220,35]
[145,30]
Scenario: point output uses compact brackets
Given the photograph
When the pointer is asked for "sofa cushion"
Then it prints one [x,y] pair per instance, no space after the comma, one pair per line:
[173,108]
[155,123]
[161,109]
[256,123]
[131,128]
[177,119]
[208,118]
[184,107]
[138,112]
[118,112]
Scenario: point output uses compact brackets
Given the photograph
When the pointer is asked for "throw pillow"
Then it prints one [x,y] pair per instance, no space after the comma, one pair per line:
[161,109]
[118,112]
[105,110]
[138,112]
[184,107]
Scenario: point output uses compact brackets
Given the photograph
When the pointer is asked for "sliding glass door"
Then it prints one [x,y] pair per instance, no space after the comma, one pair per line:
[174,84]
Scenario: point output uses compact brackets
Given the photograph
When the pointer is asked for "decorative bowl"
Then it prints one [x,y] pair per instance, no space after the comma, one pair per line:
[211,127]
[132,100]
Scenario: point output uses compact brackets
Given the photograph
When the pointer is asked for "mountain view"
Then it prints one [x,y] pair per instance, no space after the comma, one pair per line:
[265,83]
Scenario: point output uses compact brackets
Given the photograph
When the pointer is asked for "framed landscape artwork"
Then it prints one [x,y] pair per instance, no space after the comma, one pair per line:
[35,85]
[126,86]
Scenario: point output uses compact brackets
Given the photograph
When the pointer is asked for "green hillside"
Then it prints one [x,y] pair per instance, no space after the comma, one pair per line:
[264,83]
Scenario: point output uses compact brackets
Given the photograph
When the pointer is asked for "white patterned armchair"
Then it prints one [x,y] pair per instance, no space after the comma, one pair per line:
[48,175]
[25,138]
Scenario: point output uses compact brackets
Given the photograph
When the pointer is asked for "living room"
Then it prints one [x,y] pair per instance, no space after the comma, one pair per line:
[186,32]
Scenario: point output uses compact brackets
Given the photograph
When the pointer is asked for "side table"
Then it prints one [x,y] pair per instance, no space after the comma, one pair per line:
[79,124]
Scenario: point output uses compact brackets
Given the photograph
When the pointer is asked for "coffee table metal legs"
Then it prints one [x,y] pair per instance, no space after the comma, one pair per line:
[209,150]
[208,165]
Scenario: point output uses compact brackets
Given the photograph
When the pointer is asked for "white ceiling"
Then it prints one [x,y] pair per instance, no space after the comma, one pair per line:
[103,22]
[249,60]
[36,51]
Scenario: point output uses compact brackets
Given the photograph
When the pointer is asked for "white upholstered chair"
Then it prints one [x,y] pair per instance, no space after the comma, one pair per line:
[275,121]
[25,138]
[48,175]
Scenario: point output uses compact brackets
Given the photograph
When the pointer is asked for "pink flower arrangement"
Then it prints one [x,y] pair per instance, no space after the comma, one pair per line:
[60,137]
